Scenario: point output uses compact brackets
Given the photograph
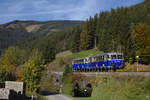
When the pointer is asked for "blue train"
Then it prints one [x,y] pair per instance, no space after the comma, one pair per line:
[101,62]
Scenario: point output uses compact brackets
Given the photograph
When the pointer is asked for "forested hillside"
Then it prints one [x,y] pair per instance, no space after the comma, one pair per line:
[12,34]
[115,30]
[110,31]
[16,31]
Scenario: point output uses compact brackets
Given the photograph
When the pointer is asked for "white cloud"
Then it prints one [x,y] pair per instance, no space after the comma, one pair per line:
[85,10]
[58,9]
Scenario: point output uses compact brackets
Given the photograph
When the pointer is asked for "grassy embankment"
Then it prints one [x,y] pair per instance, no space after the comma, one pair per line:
[122,88]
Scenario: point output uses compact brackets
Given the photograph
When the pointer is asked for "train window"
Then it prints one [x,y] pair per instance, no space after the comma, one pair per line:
[74,62]
[108,57]
[120,57]
[93,59]
[79,61]
[113,57]
[105,57]
[102,58]
[90,59]
[85,60]
[96,59]
[82,61]
[99,58]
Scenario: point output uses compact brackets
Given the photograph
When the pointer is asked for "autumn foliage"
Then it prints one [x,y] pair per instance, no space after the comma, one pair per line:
[142,33]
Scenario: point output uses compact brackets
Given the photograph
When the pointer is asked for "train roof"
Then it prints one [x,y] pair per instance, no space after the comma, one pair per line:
[115,53]
[110,53]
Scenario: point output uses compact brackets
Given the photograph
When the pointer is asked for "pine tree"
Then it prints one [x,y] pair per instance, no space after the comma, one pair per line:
[84,37]
[67,71]
[49,52]
[76,40]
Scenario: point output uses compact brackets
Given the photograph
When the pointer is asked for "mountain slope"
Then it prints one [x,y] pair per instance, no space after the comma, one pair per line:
[16,31]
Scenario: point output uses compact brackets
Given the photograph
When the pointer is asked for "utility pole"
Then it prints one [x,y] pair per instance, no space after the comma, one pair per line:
[137,57]
[95,41]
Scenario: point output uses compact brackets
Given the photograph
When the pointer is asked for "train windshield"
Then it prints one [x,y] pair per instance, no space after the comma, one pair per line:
[113,57]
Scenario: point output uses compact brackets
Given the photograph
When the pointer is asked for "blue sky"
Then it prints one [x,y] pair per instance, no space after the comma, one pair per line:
[43,10]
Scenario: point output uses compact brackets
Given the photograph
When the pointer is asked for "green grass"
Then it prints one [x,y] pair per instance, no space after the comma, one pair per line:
[68,54]
[122,88]
[78,98]
[86,53]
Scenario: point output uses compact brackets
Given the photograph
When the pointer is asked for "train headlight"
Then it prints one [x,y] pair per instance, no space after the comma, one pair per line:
[96,65]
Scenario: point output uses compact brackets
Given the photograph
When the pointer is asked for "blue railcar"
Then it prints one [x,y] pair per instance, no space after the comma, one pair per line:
[104,61]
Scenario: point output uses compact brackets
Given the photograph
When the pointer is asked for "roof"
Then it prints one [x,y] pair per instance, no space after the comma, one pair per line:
[110,53]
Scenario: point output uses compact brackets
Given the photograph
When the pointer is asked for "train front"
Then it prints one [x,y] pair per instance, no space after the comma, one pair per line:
[116,60]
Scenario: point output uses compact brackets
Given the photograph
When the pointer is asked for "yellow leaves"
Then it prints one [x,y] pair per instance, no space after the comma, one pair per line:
[134,67]
[143,38]
[13,55]
[142,32]
[91,54]
[128,67]
[32,73]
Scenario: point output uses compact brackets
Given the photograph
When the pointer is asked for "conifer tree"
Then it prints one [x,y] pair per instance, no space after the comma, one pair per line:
[49,52]
[84,36]
[76,40]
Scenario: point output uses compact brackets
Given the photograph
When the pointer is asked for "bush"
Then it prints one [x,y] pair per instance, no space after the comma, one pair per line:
[66,72]
[68,85]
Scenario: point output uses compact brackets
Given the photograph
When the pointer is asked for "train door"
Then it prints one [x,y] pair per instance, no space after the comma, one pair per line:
[86,60]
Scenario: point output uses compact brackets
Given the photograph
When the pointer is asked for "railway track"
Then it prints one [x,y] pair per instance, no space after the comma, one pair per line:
[113,73]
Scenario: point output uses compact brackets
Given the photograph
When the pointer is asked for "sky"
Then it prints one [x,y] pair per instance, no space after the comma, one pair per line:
[44,10]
